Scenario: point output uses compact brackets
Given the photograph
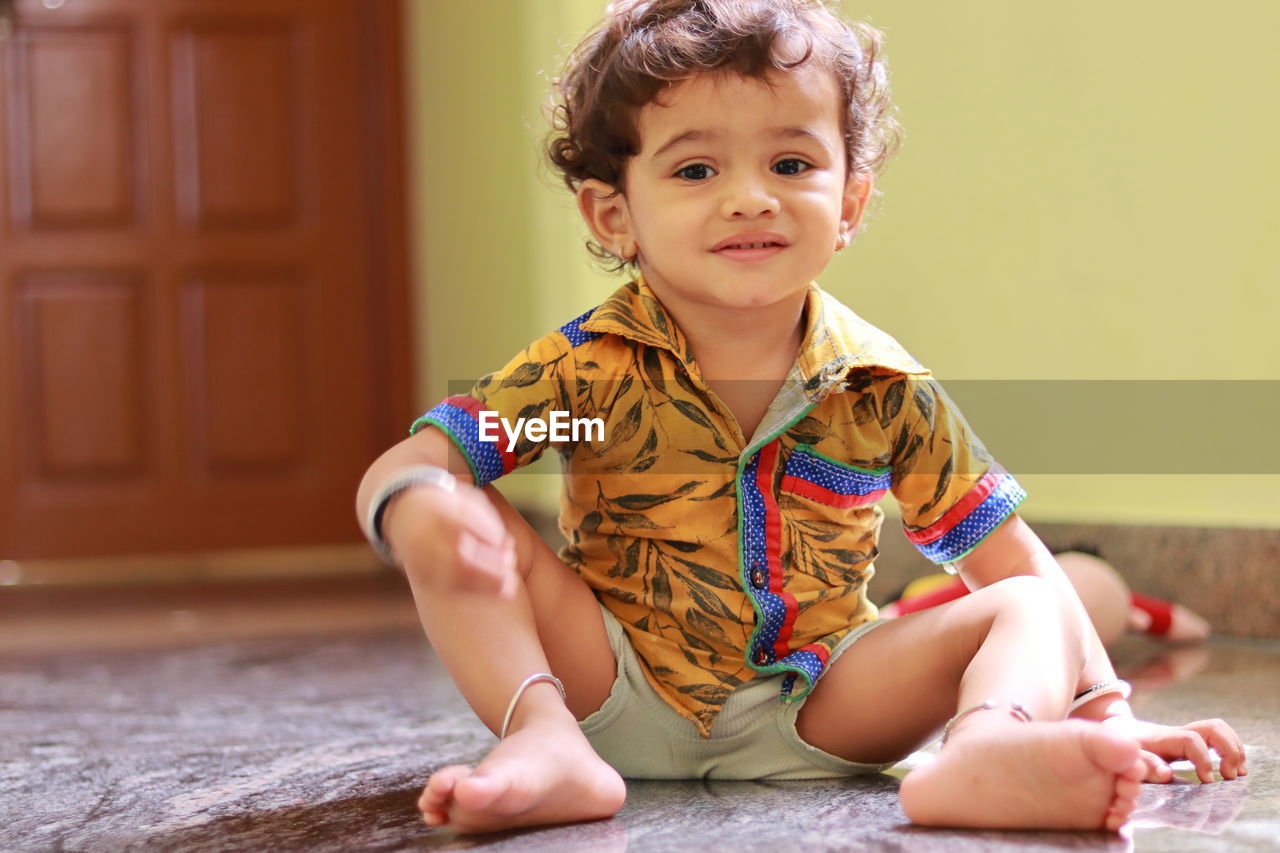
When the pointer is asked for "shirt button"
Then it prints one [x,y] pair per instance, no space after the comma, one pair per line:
[757,577]
[763,656]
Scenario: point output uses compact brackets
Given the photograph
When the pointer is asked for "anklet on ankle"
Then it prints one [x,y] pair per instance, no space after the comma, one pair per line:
[1018,711]
[533,679]
[1116,685]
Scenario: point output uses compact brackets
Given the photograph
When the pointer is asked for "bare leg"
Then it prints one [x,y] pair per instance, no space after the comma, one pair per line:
[545,770]
[1014,641]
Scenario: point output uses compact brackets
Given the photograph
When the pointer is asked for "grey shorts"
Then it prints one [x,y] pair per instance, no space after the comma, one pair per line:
[642,737]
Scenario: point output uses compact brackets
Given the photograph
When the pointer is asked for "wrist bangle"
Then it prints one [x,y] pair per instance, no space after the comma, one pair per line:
[415,475]
[1116,685]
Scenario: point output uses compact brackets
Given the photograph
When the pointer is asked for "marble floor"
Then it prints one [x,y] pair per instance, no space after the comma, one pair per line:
[306,716]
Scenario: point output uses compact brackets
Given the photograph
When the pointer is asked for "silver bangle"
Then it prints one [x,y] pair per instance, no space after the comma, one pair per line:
[405,478]
[1116,685]
[1018,711]
[533,679]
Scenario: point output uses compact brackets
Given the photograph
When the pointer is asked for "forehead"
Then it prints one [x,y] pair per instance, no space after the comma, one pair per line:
[726,102]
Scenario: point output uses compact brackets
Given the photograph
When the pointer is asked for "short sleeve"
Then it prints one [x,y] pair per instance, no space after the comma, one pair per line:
[951,492]
[508,418]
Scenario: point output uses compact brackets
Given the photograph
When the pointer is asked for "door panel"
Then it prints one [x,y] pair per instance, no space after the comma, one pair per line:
[74,112]
[79,350]
[248,372]
[236,147]
[193,263]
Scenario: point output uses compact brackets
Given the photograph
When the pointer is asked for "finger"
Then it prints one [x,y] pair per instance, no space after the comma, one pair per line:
[474,513]
[510,577]
[480,564]
[1241,768]
[1158,770]
[1222,739]
[1195,750]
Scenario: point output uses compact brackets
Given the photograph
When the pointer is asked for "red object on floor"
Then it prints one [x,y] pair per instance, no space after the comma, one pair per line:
[1160,611]
[947,592]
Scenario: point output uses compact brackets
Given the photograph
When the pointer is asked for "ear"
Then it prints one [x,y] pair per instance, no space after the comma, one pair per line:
[857,191]
[606,214]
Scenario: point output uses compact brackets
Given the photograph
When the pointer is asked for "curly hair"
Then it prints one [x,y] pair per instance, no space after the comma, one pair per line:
[643,46]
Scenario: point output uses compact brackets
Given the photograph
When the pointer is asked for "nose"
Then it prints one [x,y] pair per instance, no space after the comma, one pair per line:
[748,196]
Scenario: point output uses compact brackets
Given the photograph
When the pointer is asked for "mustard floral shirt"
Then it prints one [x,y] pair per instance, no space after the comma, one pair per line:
[726,557]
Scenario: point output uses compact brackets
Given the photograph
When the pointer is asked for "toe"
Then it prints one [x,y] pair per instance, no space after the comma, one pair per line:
[1137,772]
[1128,789]
[1116,821]
[480,790]
[1113,752]
[440,787]
[1124,803]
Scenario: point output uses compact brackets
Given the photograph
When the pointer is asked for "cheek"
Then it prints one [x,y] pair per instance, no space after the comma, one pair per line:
[663,219]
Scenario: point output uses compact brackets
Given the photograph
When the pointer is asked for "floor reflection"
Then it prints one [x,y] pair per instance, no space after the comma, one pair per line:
[1208,808]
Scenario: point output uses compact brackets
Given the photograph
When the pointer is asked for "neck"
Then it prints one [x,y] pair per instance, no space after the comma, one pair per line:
[741,343]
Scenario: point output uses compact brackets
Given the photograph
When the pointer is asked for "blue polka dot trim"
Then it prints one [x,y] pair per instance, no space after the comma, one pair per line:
[770,607]
[807,465]
[575,333]
[973,528]
[804,663]
[483,456]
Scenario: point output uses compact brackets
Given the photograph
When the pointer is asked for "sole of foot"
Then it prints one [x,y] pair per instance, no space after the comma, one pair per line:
[1060,775]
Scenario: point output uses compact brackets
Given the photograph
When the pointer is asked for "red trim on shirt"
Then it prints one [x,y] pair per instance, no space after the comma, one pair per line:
[821,651]
[773,545]
[960,511]
[821,494]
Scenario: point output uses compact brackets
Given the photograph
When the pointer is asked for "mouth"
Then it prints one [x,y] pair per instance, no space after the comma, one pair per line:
[752,241]
[754,246]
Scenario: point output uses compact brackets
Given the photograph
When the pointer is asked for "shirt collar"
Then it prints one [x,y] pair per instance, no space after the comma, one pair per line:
[633,311]
[836,340]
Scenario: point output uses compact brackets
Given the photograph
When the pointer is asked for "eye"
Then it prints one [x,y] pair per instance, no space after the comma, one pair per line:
[695,172]
[791,166]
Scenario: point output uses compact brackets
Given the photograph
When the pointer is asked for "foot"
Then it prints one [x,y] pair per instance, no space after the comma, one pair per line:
[543,773]
[1014,775]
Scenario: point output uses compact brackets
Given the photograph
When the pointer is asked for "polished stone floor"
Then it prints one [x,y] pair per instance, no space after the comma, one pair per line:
[266,719]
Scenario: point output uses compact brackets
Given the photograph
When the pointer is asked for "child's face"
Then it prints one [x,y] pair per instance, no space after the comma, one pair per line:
[727,160]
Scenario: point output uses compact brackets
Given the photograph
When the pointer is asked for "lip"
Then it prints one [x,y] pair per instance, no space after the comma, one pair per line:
[752,237]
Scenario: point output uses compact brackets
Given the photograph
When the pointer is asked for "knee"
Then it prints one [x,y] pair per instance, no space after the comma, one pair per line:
[1032,595]
[1045,602]
[524,539]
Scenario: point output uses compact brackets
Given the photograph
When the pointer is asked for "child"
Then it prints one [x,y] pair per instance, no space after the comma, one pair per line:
[708,616]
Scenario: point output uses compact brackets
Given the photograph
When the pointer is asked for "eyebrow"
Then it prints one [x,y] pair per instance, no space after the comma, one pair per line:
[794,132]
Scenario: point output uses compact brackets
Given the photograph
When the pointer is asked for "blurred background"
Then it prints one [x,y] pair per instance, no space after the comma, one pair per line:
[243,243]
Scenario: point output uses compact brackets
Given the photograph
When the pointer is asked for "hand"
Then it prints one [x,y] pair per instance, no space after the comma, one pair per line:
[455,540]
[1162,744]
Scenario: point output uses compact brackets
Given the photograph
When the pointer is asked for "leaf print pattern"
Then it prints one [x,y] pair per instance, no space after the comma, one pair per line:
[651,510]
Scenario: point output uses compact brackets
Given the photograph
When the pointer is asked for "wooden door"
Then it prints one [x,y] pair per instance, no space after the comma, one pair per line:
[202,334]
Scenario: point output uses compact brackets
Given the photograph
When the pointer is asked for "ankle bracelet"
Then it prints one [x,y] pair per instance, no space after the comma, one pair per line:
[533,679]
[1115,685]
[1018,711]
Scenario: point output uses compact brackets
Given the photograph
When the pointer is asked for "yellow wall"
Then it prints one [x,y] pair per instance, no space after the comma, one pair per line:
[1087,191]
